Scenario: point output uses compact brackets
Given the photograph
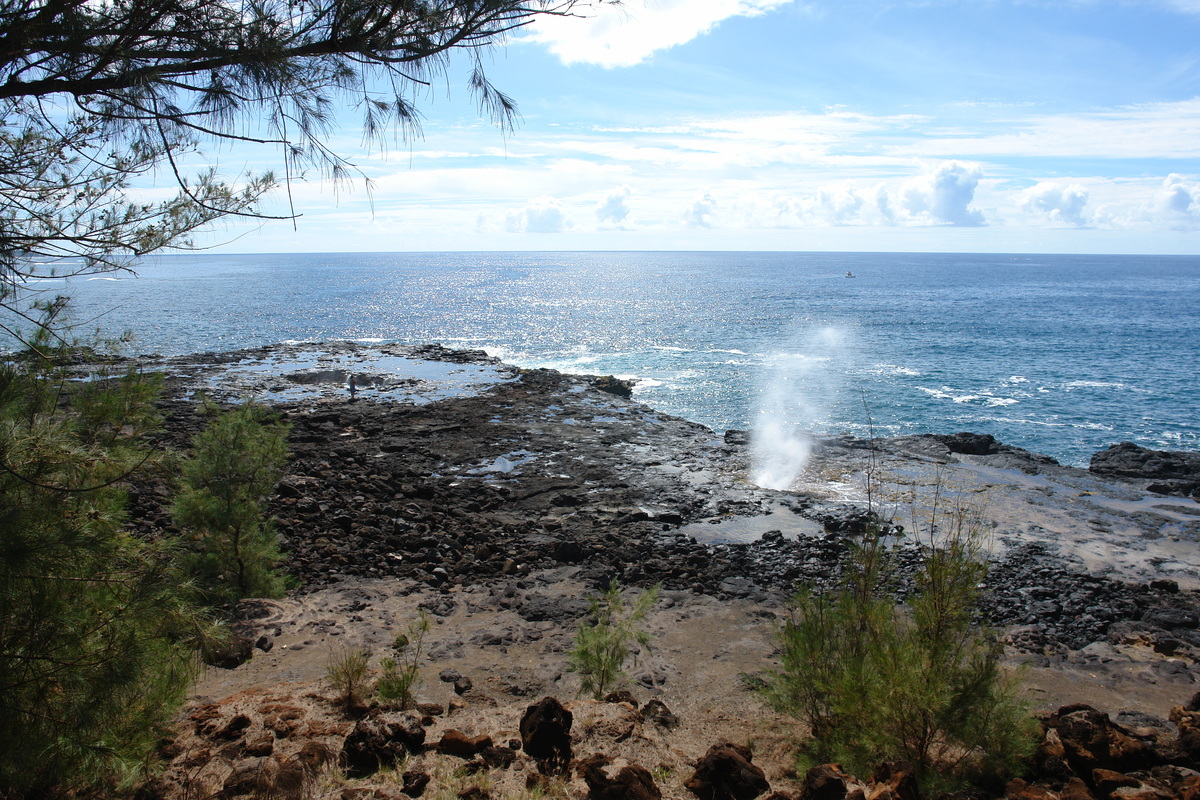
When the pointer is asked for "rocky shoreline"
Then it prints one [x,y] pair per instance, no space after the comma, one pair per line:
[539,470]
[497,500]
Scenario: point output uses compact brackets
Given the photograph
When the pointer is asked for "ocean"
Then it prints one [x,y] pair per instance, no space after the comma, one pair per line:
[1062,355]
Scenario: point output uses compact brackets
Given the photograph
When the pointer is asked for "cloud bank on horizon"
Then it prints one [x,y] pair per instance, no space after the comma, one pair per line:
[776,124]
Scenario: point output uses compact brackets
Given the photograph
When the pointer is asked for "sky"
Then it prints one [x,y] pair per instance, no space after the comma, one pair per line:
[932,125]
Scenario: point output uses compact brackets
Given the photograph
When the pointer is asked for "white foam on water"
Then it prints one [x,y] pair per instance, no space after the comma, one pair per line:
[949,393]
[893,369]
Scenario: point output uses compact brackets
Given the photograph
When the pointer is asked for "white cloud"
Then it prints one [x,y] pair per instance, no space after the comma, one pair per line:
[613,210]
[699,213]
[944,194]
[1149,130]
[941,195]
[540,215]
[1058,203]
[1179,196]
[625,34]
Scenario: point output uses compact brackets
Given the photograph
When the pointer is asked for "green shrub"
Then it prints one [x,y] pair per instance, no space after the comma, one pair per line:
[236,462]
[875,681]
[400,678]
[98,635]
[349,674]
[602,646]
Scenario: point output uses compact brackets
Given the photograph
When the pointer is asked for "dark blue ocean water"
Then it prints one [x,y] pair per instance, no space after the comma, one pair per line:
[1059,354]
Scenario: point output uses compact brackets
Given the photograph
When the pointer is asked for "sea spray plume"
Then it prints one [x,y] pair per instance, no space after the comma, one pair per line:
[779,453]
[799,390]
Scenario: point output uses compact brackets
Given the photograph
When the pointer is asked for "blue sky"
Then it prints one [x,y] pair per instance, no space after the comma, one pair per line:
[787,125]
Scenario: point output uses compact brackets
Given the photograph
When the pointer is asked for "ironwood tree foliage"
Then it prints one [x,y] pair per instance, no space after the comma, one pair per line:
[98,630]
[95,94]
[236,462]
[602,644]
[874,681]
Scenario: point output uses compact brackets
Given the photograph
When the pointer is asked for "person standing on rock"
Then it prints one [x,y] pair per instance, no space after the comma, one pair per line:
[352,386]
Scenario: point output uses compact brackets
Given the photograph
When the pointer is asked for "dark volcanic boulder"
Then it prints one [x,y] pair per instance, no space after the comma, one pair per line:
[546,735]
[972,444]
[725,773]
[1128,460]
[630,782]
[380,741]
[826,782]
[613,385]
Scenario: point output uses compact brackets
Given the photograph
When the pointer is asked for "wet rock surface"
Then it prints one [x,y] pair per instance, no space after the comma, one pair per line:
[537,470]
[1165,471]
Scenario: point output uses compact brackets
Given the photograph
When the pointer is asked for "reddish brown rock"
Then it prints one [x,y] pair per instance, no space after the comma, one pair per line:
[826,782]
[414,782]
[1188,787]
[233,729]
[498,756]
[1187,720]
[546,735]
[456,743]
[725,773]
[1018,789]
[1106,781]
[261,745]
[630,782]
[1076,789]
[895,780]
[1091,740]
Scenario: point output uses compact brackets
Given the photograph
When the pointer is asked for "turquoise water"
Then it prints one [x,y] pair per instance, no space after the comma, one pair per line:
[1059,354]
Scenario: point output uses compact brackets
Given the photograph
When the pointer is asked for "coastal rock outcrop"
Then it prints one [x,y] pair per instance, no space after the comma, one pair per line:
[539,470]
[1166,471]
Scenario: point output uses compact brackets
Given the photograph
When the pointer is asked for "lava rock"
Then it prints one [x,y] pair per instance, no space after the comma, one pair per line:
[380,741]
[630,782]
[726,773]
[546,735]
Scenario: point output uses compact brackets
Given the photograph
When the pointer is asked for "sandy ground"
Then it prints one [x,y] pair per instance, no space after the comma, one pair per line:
[702,652]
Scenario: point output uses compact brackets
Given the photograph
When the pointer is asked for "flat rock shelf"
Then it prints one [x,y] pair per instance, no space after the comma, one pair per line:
[498,500]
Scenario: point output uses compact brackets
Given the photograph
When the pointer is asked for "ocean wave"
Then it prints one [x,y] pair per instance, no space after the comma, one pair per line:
[104,278]
[892,369]
[1069,385]
[1041,423]
[947,393]
[1001,401]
